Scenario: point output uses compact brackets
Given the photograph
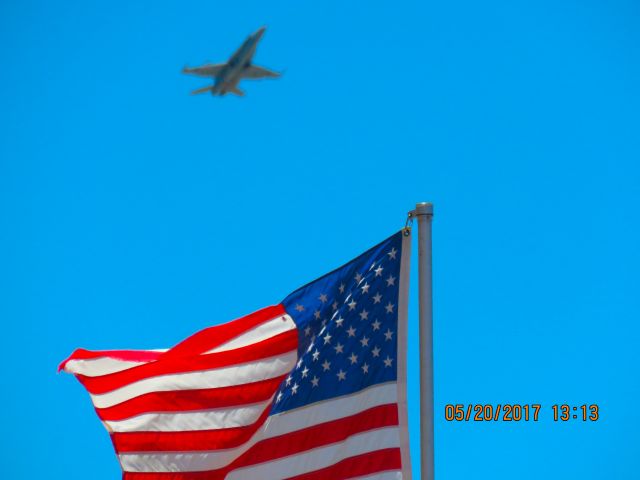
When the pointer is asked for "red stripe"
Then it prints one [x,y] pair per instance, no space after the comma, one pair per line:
[187,400]
[366,464]
[199,342]
[277,345]
[290,444]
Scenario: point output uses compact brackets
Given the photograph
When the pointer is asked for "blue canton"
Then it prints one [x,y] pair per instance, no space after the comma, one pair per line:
[347,329]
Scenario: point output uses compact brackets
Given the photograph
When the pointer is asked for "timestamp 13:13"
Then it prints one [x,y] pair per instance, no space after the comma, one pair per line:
[566,412]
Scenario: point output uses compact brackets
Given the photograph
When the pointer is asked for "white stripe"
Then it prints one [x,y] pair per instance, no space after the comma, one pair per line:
[268,329]
[395,475]
[189,421]
[280,424]
[322,457]
[99,366]
[94,367]
[219,377]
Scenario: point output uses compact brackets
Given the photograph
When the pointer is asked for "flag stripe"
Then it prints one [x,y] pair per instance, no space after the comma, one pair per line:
[89,358]
[207,441]
[100,366]
[281,343]
[250,465]
[364,464]
[220,377]
[212,337]
[229,417]
[186,400]
[259,333]
[188,441]
[338,431]
[388,475]
[321,457]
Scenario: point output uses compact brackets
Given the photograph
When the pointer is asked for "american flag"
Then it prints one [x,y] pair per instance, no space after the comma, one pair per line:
[312,388]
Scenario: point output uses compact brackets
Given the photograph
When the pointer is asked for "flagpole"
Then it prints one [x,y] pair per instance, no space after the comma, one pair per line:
[424,212]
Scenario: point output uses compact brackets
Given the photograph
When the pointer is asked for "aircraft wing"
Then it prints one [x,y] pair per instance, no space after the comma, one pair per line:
[202,90]
[253,71]
[211,70]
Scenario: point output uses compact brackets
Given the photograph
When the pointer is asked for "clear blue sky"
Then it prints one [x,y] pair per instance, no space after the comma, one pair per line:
[133,214]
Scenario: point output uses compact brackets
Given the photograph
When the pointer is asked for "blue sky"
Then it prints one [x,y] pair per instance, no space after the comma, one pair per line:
[132,214]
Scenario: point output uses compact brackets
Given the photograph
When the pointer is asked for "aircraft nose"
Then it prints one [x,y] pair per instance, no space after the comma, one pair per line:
[259,33]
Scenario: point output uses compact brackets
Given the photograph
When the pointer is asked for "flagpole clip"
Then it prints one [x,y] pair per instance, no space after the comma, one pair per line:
[406,231]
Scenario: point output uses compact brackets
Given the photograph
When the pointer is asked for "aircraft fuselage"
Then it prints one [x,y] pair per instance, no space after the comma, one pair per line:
[232,73]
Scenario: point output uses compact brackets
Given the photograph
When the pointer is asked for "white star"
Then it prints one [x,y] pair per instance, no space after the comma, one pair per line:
[388,334]
[289,380]
[315,355]
[294,389]
[323,298]
[351,332]
[341,288]
[377,297]
[358,277]
[352,305]
[376,325]
[364,315]
[324,322]
[299,363]
[388,361]
[341,375]
[364,342]
[379,271]
[307,331]
[376,352]
[299,307]
[353,358]
[305,372]
[392,253]
[317,314]
[335,305]
[327,338]
[314,381]
[391,280]
[339,347]
[339,321]
[279,397]
[389,307]
[365,288]
[326,365]
[365,368]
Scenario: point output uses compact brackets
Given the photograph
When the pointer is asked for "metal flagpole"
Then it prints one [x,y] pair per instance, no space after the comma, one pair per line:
[424,212]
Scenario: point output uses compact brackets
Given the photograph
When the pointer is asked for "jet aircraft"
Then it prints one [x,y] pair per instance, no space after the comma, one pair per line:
[238,67]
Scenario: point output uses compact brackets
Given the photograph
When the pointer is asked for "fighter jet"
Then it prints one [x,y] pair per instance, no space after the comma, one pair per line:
[238,67]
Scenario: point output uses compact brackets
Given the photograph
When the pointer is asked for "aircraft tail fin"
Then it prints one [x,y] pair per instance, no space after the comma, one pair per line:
[202,90]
